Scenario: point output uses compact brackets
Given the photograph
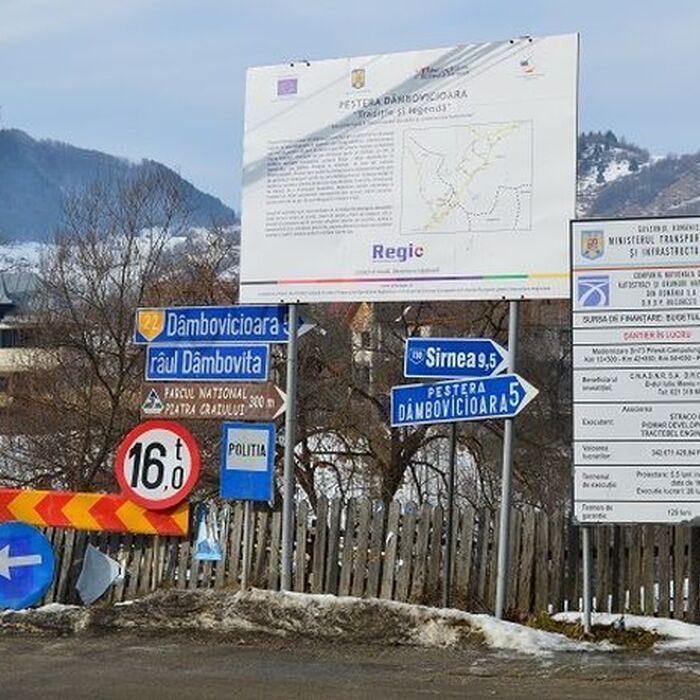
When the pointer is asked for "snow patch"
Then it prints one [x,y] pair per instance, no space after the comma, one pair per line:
[616,169]
[509,635]
[50,608]
[22,257]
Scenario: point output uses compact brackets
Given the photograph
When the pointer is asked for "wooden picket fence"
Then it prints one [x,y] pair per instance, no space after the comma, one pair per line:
[396,553]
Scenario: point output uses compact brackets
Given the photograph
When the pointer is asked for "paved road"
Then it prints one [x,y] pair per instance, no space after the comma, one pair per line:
[118,667]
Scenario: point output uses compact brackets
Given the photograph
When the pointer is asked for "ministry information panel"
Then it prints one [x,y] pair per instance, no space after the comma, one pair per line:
[636,370]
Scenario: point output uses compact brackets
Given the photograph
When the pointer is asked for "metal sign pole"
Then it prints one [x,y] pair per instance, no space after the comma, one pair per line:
[587,596]
[290,420]
[506,479]
[247,518]
[449,535]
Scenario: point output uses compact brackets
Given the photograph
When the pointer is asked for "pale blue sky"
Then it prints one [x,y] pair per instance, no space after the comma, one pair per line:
[163,79]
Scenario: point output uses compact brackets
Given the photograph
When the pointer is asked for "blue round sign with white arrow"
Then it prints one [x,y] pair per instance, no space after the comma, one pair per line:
[26,565]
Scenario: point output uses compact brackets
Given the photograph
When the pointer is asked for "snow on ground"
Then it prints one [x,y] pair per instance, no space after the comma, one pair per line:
[55,608]
[26,256]
[323,618]
[682,636]
[15,257]
[335,620]
[51,609]
[616,169]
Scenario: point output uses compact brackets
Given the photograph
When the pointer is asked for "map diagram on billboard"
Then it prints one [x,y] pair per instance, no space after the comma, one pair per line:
[467,178]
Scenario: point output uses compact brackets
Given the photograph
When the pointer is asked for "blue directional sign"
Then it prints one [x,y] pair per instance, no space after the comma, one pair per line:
[26,565]
[247,461]
[231,363]
[215,324]
[460,400]
[453,357]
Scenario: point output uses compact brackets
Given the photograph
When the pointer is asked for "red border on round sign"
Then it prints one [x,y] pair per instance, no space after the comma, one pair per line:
[130,438]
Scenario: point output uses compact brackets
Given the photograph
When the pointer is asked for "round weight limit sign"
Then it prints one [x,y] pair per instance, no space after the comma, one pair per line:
[157,464]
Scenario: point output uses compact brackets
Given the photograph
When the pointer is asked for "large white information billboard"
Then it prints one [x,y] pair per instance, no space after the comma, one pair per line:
[636,367]
[440,174]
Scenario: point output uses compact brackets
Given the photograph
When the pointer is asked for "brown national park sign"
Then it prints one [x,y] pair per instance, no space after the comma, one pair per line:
[216,400]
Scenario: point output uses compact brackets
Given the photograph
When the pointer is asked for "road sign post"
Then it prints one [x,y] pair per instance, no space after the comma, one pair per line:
[289,443]
[247,543]
[587,595]
[507,474]
[449,533]
[26,565]
[157,464]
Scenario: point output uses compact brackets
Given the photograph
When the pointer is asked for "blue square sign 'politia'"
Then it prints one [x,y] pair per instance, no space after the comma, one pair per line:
[247,461]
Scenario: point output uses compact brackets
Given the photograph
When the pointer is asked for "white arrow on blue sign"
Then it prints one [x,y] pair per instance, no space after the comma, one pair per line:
[456,400]
[26,565]
[208,363]
[215,324]
[453,357]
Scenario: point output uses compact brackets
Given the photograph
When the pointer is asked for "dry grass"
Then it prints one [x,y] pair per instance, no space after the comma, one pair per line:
[634,640]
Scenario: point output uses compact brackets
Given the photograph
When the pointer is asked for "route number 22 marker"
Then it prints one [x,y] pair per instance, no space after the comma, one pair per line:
[157,464]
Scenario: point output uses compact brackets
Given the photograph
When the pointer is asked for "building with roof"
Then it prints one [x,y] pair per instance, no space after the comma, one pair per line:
[16,290]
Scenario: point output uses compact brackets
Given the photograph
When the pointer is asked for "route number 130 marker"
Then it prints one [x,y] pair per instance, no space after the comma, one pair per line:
[157,464]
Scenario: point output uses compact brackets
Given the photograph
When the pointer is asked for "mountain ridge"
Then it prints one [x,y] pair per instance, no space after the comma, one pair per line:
[36,175]
[615,178]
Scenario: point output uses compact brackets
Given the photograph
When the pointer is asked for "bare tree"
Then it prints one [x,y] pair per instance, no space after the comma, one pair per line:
[203,269]
[78,395]
[346,445]
[345,442]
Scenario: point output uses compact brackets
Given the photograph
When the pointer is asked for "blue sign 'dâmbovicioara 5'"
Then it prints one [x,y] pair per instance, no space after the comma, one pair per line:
[460,400]
[207,363]
[215,324]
